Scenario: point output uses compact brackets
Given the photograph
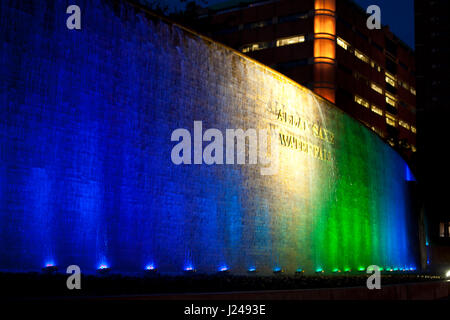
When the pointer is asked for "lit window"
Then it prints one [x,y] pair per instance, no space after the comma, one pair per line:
[404,124]
[441,230]
[290,40]
[259,24]
[405,85]
[391,120]
[375,65]
[413,129]
[413,148]
[377,88]
[391,79]
[378,131]
[342,43]
[254,47]
[377,110]
[413,91]
[359,76]
[362,102]
[361,56]
[391,100]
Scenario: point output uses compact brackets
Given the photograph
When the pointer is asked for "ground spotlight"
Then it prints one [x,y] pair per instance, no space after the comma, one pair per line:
[103,269]
[151,269]
[336,270]
[189,270]
[252,270]
[50,268]
[277,270]
[224,269]
[319,270]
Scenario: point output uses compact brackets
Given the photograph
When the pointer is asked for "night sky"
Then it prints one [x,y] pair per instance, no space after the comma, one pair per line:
[398,14]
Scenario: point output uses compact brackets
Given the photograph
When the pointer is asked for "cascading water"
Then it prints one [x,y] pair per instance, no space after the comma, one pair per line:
[86,176]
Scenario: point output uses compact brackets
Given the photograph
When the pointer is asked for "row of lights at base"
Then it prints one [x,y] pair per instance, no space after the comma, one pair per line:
[103,268]
[362,269]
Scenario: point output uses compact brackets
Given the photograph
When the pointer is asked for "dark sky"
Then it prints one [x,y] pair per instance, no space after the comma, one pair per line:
[398,14]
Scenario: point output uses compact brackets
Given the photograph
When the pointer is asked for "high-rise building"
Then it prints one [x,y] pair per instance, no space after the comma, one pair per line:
[433,69]
[326,46]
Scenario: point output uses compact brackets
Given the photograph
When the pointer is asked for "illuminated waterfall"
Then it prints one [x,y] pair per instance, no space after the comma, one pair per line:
[86,176]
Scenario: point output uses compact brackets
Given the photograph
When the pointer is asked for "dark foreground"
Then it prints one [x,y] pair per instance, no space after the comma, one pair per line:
[45,285]
[198,296]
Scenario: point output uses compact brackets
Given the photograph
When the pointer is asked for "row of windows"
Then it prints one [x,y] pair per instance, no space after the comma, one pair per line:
[361,56]
[289,64]
[443,227]
[290,40]
[390,141]
[263,23]
[382,133]
[254,47]
[393,143]
[376,88]
[342,43]
[390,119]
[405,125]
[390,99]
[390,78]
[238,8]
[376,130]
[393,81]
[277,43]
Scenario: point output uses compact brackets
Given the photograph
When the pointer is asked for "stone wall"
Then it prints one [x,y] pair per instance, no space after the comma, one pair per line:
[86,175]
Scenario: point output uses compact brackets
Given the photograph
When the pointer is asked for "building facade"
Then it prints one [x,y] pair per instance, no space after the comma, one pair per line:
[433,68]
[326,46]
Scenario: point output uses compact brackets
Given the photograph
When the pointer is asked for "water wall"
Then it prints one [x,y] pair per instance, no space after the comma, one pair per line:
[87,177]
